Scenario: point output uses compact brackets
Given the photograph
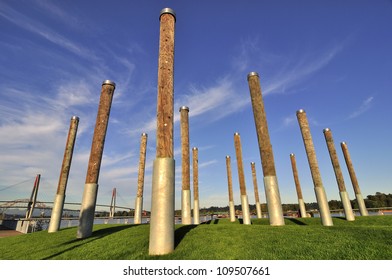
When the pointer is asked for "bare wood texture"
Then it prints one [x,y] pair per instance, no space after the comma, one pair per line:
[266,154]
[101,125]
[67,159]
[142,165]
[165,87]
[184,119]
[229,178]
[309,148]
[350,168]
[334,159]
[240,166]
[295,174]
[256,188]
[195,161]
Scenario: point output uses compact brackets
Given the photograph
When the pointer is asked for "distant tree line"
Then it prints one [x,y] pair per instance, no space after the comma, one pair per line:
[378,200]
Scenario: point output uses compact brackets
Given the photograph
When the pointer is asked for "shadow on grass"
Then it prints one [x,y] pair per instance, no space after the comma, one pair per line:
[97,234]
[296,221]
[180,233]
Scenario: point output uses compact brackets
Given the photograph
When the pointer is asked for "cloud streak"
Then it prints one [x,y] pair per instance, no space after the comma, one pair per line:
[365,106]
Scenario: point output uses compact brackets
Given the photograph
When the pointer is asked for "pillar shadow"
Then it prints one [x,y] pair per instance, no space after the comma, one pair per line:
[296,221]
[180,233]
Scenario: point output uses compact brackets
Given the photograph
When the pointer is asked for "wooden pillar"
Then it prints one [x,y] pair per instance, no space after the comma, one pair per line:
[272,195]
[195,161]
[321,196]
[186,217]
[348,211]
[256,190]
[241,178]
[301,202]
[230,189]
[58,205]
[87,211]
[140,180]
[354,180]
[162,198]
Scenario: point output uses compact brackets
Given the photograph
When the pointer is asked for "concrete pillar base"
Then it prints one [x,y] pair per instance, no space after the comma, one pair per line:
[322,201]
[87,211]
[272,195]
[258,210]
[361,205]
[302,208]
[232,211]
[245,210]
[138,210]
[348,211]
[186,218]
[196,216]
[162,207]
[57,211]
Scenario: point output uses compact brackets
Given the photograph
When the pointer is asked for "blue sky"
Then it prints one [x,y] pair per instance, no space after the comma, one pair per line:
[331,58]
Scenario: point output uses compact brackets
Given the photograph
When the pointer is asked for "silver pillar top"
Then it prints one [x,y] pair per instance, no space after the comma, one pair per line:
[292,155]
[253,74]
[109,82]
[343,143]
[194,148]
[227,156]
[184,108]
[144,134]
[167,11]
[252,163]
[300,111]
[236,133]
[326,129]
[75,118]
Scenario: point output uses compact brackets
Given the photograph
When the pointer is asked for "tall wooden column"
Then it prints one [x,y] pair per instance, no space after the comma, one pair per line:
[348,211]
[87,210]
[256,189]
[195,161]
[354,180]
[59,200]
[301,202]
[162,197]
[272,195]
[321,196]
[186,217]
[140,180]
[230,189]
[241,178]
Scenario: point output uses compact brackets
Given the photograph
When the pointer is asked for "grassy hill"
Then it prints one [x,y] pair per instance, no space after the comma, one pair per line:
[366,238]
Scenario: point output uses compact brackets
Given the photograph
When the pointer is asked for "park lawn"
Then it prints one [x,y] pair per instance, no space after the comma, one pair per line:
[366,238]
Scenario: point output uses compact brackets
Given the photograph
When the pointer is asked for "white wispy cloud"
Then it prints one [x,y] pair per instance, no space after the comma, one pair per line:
[365,106]
[45,32]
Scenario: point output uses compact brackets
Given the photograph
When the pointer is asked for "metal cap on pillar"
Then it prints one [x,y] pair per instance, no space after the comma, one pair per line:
[167,11]
[109,82]
[253,74]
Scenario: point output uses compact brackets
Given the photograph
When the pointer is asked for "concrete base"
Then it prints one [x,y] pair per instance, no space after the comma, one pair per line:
[272,195]
[87,210]
[258,210]
[322,201]
[57,212]
[232,211]
[348,211]
[186,216]
[162,207]
[138,210]
[361,205]
[245,210]
[196,216]
[302,209]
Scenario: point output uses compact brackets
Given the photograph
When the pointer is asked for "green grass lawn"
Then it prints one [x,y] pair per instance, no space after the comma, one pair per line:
[366,238]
